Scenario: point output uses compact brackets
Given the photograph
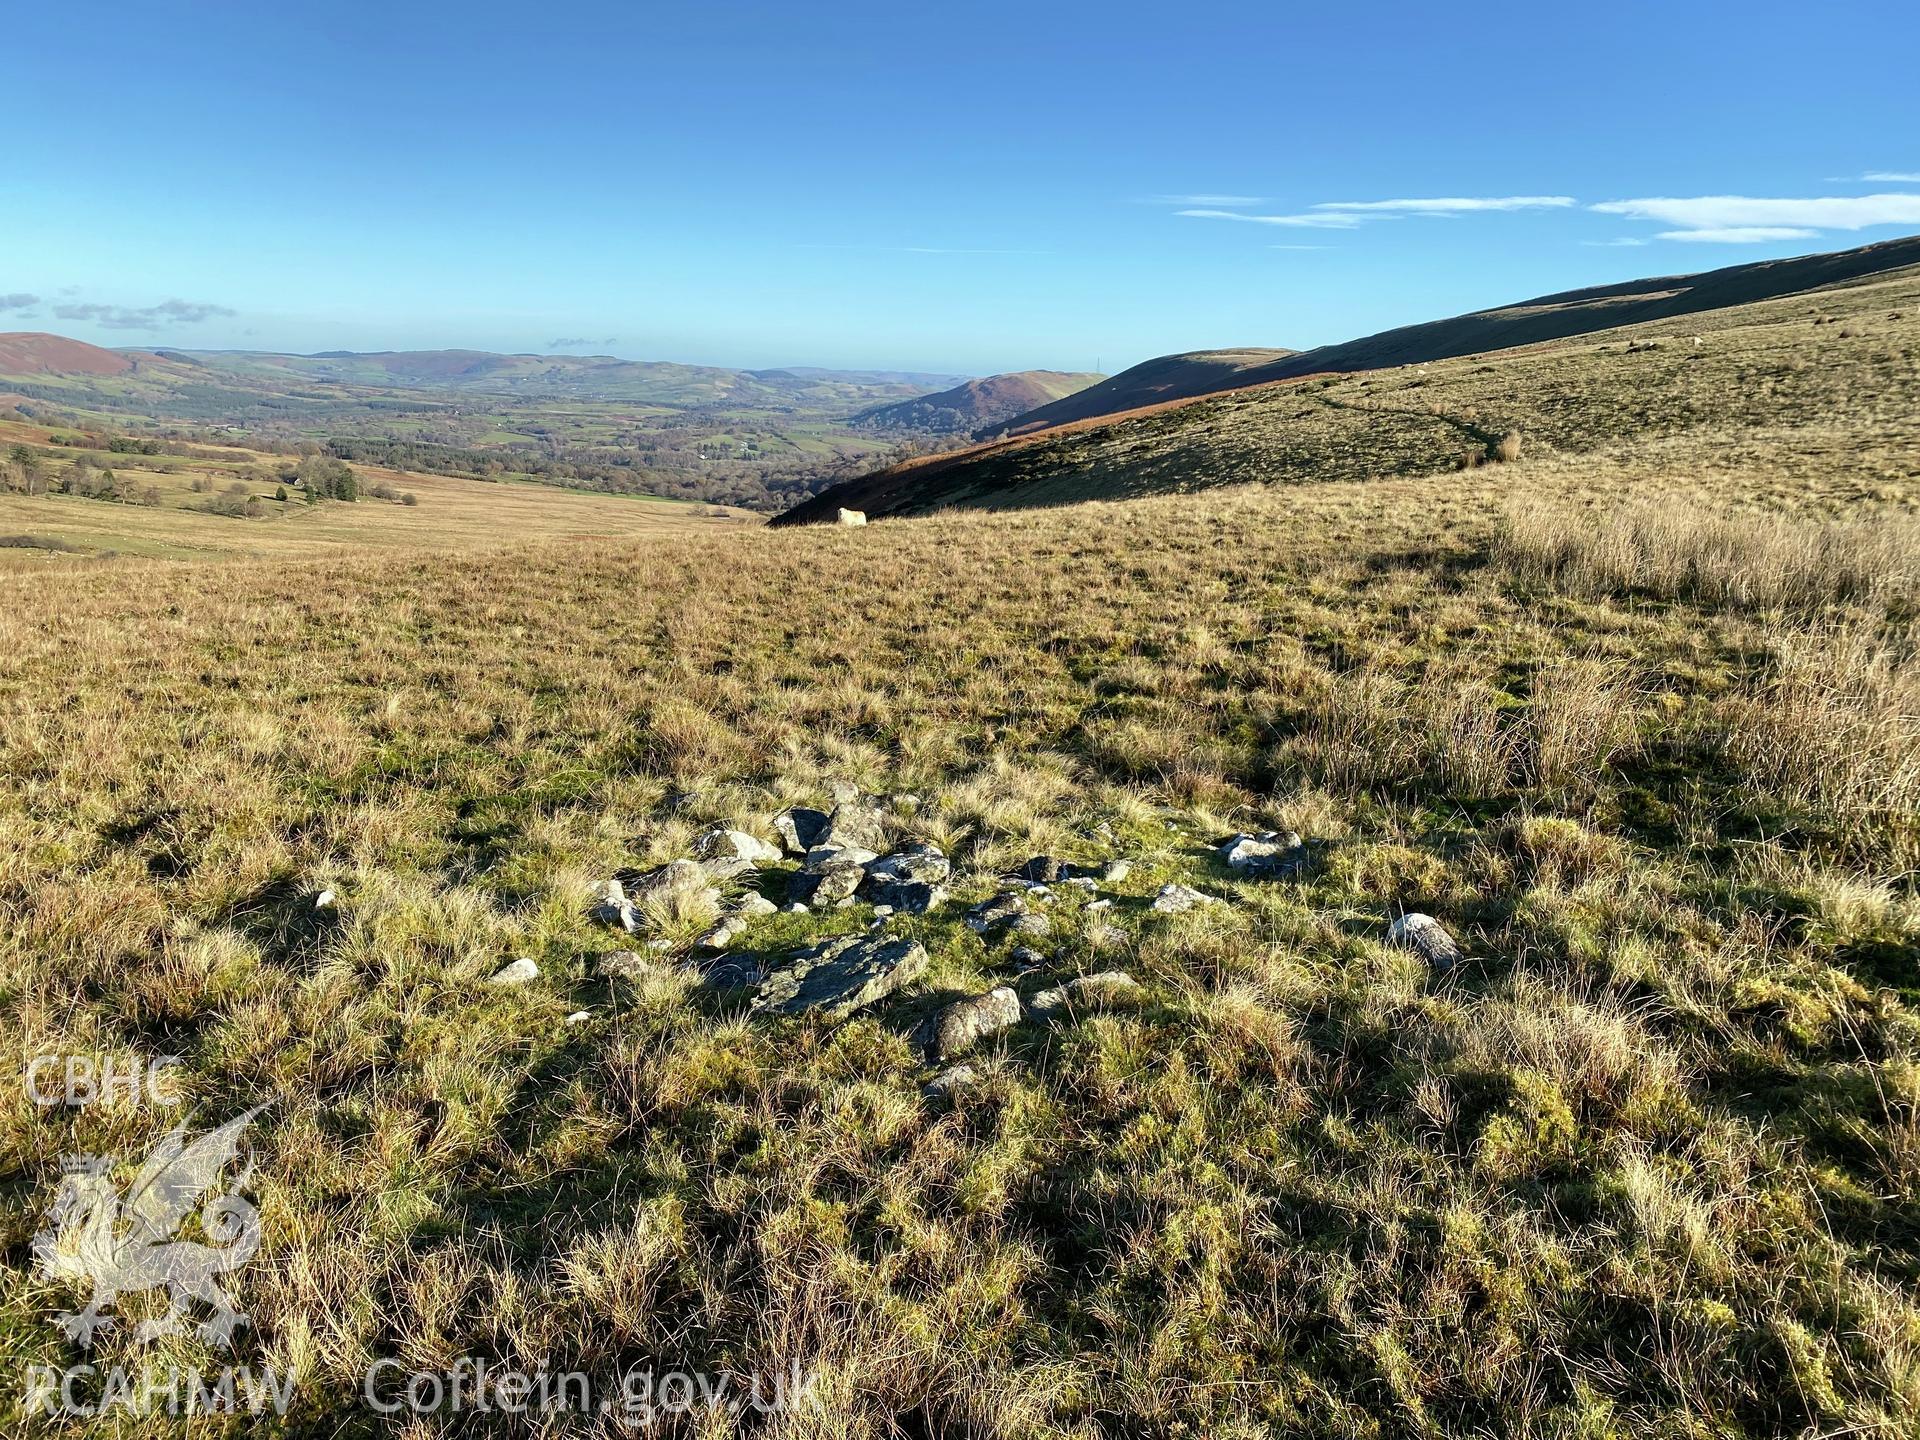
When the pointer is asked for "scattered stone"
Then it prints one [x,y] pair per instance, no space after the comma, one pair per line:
[851,517]
[965,1023]
[857,824]
[1094,906]
[1427,938]
[1114,871]
[753,903]
[1273,854]
[721,935]
[882,911]
[579,1017]
[630,965]
[1175,899]
[1082,882]
[1099,991]
[795,907]
[1041,870]
[721,843]
[821,856]
[840,976]
[611,907]
[688,878]
[1025,957]
[519,972]
[325,900]
[908,898]
[800,829]
[953,1078]
[1006,913]
[827,881]
[914,864]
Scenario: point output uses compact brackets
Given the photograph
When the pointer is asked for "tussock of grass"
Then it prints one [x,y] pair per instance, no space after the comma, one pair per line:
[1675,551]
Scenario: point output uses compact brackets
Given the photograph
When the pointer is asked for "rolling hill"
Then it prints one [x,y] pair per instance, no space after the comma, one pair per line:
[759,438]
[976,405]
[1771,351]
[28,352]
[1547,317]
[1153,382]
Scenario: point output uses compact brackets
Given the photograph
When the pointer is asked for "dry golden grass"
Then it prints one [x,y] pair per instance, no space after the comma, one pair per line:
[1645,1163]
[452,513]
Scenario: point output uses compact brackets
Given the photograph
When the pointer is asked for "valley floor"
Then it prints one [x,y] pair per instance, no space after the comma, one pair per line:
[1637,725]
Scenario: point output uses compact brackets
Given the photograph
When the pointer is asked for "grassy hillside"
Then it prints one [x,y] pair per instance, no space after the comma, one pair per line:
[1834,367]
[1529,322]
[171,510]
[976,404]
[1634,718]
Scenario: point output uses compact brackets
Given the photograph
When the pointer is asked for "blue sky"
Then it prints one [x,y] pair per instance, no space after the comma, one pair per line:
[955,188]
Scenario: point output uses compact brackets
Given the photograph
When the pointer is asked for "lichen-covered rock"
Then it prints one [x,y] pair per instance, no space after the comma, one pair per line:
[611,906]
[1041,870]
[1099,991]
[855,824]
[1007,914]
[907,897]
[964,1024]
[827,878]
[1114,871]
[721,935]
[1176,899]
[517,972]
[950,1080]
[721,843]
[800,829]
[1271,854]
[914,864]
[840,976]
[1427,938]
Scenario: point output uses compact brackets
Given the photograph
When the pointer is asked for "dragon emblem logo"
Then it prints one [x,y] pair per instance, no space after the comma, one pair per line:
[128,1243]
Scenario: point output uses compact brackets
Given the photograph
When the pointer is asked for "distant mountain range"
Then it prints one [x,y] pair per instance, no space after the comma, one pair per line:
[590,377]
[976,406]
[1376,410]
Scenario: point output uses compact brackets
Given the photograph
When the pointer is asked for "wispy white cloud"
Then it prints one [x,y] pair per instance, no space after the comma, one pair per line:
[1453,205]
[1624,240]
[1740,234]
[1314,220]
[1724,215]
[1893,177]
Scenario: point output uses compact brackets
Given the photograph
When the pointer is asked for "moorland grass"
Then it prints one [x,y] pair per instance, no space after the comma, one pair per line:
[1647,1162]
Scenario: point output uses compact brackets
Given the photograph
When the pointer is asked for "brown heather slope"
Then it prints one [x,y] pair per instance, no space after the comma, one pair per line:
[1549,317]
[1153,382]
[977,405]
[28,352]
[1782,363]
